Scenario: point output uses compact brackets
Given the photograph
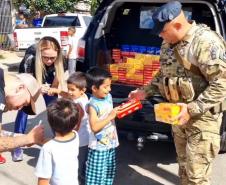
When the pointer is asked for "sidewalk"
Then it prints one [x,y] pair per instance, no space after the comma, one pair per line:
[9,60]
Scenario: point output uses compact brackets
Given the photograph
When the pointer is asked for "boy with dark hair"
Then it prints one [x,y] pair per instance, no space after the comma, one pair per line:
[101,163]
[58,163]
[76,84]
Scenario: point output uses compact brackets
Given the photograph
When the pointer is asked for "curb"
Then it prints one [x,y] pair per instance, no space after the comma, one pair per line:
[4,67]
[10,62]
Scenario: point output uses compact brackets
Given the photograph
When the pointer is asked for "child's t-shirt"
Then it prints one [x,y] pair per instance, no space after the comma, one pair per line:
[73,42]
[58,161]
[107,138]
[19,21]
[84,130]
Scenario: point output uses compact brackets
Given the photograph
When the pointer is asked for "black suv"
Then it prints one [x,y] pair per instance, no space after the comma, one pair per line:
[120,23]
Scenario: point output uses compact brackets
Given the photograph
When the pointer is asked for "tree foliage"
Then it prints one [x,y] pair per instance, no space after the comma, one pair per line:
[47,6]
[54,6]
[94,4]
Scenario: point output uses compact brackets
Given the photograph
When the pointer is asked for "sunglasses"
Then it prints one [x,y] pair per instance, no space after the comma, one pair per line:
[49,58]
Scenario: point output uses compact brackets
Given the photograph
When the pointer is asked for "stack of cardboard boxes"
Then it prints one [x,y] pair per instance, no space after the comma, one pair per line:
[134,66]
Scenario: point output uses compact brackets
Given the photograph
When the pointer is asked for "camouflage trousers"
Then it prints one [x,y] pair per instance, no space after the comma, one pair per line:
[197,144]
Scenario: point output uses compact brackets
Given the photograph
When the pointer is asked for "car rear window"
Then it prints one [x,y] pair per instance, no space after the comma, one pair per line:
[133,23]
[58,21]
[87,20]
[201,13]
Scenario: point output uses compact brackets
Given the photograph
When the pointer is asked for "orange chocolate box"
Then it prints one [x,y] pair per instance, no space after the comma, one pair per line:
[166,112]
[128,107]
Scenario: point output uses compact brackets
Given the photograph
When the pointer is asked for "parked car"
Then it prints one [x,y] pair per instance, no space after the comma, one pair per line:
[55,25]
[118,24]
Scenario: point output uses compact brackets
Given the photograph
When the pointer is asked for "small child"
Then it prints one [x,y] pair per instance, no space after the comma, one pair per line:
[58,162]
[72,51]
[101,163]
[76,84]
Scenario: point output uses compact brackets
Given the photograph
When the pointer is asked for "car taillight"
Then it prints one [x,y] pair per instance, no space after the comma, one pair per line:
[64,38]
[81,48]
[15,39]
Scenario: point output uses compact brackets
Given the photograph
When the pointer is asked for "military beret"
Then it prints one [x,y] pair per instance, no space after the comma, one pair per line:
[164,14]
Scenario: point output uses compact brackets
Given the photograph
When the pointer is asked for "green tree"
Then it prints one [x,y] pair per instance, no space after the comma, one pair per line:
[55,6]
[47,6]
[93,4]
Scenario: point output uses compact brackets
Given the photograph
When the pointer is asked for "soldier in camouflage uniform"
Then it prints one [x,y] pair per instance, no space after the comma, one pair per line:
[192,74]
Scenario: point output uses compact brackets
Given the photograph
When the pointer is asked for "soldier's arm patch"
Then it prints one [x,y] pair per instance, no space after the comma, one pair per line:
[208,51]
[214,52]
[218,55]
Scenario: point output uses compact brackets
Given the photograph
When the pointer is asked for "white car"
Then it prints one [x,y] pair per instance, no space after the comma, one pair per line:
[55,25]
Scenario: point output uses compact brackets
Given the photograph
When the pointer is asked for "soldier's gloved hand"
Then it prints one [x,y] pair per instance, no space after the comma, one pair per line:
[138,94]
[184,116]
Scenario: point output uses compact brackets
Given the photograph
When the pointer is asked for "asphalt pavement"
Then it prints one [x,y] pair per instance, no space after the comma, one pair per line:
[154,165]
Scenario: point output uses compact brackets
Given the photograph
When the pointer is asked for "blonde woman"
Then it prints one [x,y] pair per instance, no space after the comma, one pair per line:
[47,68]
[49,63]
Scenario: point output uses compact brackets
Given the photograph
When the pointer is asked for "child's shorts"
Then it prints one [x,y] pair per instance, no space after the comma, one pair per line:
[101,167]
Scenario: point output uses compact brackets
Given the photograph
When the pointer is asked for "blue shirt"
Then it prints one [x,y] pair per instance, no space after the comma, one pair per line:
[107,138]
[19,21]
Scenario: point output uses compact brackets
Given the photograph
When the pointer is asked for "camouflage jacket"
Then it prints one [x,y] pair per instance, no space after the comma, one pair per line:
[206,50]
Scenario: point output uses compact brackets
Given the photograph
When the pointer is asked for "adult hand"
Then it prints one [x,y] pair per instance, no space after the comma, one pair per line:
[53,91]
[45,88]
[36,135]
[184,116]
[138,94]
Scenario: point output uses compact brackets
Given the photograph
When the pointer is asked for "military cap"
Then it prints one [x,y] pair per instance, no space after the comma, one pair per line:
[164,14]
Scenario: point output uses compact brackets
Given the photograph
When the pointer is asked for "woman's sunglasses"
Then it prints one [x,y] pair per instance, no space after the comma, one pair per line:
[48,58]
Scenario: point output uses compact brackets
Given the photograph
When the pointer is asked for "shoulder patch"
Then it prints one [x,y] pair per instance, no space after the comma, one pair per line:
[213,52]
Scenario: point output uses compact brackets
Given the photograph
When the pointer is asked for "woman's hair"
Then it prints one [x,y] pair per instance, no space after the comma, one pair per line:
[43,44]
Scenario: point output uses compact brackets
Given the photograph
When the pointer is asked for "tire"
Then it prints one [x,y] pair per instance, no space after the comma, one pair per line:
[223,134]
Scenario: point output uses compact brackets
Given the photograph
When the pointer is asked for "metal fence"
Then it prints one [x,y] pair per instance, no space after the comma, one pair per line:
[6,28]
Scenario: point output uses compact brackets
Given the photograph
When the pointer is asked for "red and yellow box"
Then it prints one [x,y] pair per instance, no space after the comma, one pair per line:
[166,112]
[128,107]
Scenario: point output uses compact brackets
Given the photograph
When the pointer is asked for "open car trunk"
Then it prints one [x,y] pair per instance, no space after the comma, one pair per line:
[124,44]
[125,32]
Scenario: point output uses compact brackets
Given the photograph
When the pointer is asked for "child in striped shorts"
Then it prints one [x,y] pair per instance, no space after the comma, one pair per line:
[101,163]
